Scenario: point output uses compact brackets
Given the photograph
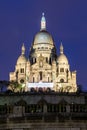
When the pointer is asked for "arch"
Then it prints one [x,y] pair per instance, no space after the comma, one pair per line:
[62,80]
[21,102]
[48,89]
[21,80]
[42,101]
[62,101]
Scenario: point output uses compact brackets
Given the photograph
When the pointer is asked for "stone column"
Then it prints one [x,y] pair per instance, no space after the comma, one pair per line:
[67,108]
[45,108]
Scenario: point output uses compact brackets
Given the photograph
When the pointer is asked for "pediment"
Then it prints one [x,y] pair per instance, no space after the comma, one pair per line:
[21,103]
[42,101]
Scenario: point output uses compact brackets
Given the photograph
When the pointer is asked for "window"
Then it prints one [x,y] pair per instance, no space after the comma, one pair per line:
[22,70]
[33,79]
[46,47]
[34,60]
[42,47]
[48,79]
[50,61]
[62,80]
[40,75]
[61,69]
[47,59]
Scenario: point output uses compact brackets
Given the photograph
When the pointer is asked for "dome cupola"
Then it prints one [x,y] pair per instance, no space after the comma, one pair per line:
[22,59]
[43,42]
[62,59]
[43,36]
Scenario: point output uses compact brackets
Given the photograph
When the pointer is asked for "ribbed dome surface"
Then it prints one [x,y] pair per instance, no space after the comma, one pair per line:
[43,37]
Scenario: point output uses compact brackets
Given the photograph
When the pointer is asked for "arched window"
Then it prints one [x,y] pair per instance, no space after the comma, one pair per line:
[61,69]
[22,81]
[33,79]
[40,75]
[47,59]
[34,60]
[22,70]
[62,80]
[50,60]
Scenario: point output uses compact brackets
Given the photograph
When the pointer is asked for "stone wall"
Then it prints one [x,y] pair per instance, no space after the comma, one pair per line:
[45,126]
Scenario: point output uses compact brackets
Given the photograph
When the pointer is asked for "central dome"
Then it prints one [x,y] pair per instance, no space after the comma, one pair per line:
[43,37]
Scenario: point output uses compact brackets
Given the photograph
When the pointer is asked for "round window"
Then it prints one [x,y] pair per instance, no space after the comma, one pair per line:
[22,81]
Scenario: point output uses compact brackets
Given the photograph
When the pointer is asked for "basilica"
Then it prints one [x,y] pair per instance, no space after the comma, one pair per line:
[63,107]
[44,68]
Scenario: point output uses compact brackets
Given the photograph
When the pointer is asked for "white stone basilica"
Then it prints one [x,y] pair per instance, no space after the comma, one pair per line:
[44,69]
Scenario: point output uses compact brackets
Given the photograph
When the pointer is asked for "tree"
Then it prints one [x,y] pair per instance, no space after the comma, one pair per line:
[15,86]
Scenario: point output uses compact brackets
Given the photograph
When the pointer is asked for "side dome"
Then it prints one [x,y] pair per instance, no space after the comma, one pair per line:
[21,60]
[62,59]
[43,37]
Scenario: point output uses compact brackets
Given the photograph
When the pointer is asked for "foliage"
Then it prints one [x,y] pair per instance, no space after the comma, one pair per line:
[15,86]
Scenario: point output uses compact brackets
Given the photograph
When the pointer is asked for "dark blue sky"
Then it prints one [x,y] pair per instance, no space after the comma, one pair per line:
[66,21]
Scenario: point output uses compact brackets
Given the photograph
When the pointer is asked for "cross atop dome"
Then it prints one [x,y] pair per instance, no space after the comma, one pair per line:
[43,22]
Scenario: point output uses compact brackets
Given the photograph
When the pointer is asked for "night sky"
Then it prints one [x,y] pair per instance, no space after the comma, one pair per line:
[66,21]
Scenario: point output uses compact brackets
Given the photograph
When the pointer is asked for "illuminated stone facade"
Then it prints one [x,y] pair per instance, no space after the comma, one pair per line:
[44,65]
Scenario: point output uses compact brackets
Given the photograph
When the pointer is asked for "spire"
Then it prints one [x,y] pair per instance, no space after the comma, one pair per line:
[61,48]
[43,22]
[23,49]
